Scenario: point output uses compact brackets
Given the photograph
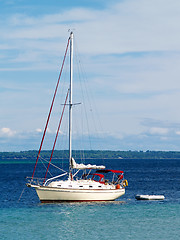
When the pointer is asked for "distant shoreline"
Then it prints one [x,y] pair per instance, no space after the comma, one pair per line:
[30,155]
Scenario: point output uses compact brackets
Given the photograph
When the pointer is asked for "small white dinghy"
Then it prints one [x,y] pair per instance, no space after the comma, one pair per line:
[149,197]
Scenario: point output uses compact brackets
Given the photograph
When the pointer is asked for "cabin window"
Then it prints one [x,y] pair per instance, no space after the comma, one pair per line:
[59,185]
[70,185]
[90,186]
[80,186]
[99,186]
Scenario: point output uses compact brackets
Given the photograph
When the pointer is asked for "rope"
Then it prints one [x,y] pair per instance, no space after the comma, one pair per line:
[56,136]
[45,166]
[53,165]
[21,194]
[50,109]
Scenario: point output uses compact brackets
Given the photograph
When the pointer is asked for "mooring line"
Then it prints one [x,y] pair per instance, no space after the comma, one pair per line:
[21,194]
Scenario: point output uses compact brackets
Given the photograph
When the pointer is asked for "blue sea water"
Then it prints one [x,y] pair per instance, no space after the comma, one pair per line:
[125,219]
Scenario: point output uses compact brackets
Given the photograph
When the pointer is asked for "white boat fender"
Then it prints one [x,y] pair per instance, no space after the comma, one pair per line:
[149,197]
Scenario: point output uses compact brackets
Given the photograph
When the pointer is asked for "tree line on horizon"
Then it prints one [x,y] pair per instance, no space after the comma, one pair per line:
[93,154]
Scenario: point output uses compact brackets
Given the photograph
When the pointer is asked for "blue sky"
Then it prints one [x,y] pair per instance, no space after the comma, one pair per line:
[131,55]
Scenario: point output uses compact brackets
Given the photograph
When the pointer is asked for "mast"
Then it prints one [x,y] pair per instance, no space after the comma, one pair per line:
[70,103]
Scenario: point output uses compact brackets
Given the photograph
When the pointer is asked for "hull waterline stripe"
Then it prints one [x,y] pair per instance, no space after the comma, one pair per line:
[73,201]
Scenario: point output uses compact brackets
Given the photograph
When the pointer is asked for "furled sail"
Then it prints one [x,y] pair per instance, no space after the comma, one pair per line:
[83,166]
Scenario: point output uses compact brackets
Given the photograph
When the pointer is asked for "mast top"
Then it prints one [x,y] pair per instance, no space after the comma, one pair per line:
[71,34]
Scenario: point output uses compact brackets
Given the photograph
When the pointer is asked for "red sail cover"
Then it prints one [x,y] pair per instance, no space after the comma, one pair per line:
[109,170]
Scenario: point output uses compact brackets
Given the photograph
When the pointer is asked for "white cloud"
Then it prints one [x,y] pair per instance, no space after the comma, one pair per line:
[39,130]
[7,132]
[158,130]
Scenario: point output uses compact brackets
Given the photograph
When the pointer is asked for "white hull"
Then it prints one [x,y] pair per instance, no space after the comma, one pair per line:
[50,194]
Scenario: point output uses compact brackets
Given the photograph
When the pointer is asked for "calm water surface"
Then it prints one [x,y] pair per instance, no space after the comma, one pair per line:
[123,219]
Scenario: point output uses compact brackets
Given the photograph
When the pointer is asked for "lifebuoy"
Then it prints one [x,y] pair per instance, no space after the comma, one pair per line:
[125,183]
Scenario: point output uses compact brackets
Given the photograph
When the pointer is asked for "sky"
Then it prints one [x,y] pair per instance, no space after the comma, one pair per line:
[131,56]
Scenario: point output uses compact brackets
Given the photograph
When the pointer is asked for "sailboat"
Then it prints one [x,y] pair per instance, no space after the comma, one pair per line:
[92,185]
